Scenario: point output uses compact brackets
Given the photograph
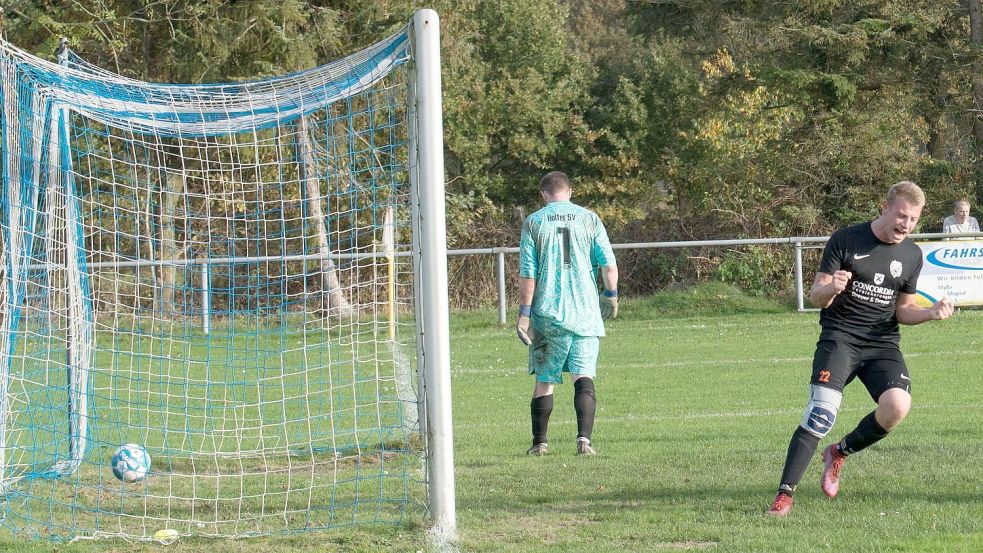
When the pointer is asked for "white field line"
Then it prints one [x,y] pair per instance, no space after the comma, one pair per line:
[732,414]
[457,371]
[866,407]
[669,328]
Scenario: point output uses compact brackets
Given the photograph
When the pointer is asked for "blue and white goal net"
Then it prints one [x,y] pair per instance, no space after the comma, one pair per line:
[218,274]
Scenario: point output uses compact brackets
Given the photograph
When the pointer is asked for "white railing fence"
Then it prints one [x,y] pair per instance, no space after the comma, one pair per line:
[204,266]
[798,244]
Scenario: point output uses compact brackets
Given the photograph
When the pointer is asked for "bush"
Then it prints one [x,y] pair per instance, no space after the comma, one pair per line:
[758,270]
[710,298]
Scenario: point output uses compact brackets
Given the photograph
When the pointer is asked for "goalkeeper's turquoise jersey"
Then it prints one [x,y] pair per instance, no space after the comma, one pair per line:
[561,247]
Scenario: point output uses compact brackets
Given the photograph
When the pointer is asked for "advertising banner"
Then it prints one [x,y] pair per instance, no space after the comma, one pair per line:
[952,268]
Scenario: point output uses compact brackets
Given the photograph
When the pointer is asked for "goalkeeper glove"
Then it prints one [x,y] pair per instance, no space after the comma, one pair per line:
[522,325]
[609,304]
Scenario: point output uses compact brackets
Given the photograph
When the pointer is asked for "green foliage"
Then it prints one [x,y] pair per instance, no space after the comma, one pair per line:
[246,40]
[755,269]
[183,40]
[707,298]
[677,120]
[520,35]
[515,97]
[464,212]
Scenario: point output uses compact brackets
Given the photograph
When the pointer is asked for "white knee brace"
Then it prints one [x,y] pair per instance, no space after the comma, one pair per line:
[821,412]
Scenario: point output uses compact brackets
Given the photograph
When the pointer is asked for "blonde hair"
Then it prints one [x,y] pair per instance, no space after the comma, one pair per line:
[907,190]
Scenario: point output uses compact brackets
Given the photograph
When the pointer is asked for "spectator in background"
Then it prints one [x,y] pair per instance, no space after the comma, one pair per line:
[960,221]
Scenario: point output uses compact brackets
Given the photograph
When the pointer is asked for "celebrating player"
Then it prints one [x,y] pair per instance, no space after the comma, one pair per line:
[560,314]
[865,287]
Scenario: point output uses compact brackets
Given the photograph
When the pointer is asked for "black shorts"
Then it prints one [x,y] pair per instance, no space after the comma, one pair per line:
[841,358]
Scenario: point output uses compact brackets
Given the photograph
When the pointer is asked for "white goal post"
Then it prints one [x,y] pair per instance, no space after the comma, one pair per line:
[434,299]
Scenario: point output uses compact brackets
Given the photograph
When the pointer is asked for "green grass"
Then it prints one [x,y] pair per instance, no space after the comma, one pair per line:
[696,403]
[695,413]
[251,431]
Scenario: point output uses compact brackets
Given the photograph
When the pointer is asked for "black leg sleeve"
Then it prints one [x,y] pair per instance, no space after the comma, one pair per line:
[867,433]
[540,408]
[585,402]
[800,451]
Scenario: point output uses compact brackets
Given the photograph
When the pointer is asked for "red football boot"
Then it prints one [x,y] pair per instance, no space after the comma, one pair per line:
[832,464]
[781,506]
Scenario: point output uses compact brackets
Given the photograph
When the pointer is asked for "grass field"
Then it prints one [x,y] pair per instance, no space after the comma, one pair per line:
[698,393]
[252,430]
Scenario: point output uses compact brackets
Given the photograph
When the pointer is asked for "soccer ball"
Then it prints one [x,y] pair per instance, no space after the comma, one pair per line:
[131,463]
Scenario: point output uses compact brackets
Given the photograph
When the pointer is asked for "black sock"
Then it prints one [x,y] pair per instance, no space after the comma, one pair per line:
[800,451]
[585,402]
[540,408]
[867,433]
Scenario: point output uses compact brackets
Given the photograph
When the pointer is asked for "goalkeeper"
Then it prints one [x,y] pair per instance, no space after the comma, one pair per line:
[560,250]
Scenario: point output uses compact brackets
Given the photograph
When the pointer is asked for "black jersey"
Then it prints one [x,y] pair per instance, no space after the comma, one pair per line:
[866,308]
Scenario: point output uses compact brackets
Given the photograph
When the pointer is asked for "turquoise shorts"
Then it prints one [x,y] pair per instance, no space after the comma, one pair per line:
[553,353]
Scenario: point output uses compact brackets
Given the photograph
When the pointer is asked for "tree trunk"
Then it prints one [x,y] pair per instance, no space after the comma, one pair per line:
[171,191]
[337,303]
[976,40]
[937,118]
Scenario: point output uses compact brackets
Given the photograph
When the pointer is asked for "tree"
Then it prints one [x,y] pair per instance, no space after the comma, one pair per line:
[514,97]
[976,43]
[815,103]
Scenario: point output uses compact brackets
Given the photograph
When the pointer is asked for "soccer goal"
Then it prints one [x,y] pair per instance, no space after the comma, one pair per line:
[247,282]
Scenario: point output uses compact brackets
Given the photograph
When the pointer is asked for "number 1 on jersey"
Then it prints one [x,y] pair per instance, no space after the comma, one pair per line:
[564,232]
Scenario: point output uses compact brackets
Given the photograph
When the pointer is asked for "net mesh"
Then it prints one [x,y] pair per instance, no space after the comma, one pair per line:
[218,273]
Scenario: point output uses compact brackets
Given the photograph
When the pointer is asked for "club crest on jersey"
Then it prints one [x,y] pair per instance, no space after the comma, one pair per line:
[895,269]
[878,278]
